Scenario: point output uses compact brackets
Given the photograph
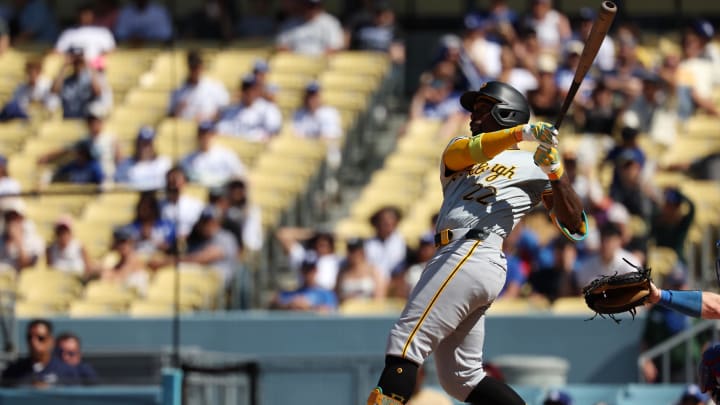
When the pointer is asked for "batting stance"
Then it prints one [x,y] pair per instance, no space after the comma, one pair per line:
[488,186]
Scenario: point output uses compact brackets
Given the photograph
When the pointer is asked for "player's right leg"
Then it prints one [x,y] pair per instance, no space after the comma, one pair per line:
[449,289]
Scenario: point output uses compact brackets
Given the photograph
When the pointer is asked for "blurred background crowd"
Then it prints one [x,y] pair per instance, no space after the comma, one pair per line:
[241,145]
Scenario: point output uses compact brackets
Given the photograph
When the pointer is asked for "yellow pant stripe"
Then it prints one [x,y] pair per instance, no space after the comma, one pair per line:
[437,294]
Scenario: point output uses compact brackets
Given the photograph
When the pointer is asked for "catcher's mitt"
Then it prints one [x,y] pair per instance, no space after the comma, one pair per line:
[610,295]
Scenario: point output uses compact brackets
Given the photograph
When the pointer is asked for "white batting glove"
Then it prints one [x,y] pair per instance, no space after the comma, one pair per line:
[542,132]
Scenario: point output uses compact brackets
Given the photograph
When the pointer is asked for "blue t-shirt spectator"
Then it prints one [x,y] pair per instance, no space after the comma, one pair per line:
[37,22]
[89,172]
[161,237]
[25,372]
[515,274]
[143,20]
[316,297]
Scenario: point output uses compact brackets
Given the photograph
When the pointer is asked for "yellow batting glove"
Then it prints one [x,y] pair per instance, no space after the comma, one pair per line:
[548,159]
[541,132]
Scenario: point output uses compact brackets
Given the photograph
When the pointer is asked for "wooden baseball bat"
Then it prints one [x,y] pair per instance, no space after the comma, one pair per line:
[599,30]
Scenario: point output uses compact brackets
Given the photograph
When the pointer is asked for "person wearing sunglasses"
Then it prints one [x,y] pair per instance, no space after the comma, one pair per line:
[68,350]
[39,368]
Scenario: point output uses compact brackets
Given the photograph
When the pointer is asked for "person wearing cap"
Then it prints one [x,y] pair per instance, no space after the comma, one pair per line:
[178,208]
[631,187]
[211,165]
[212,246]
[552,27]
[598,115]
[66,253]
[34,91]
[84,168]
[309,297]
[671,221]
[242,217]
[35,20]
[199,98]
[95,41]
[650,101]
[123,265]
[605,59]
[557,397]
[8,185]
[315,119]
[143,20]
[300,243]
[358,279]
[436,100]
[145,169]
[20,247]
[379,33]
[152,234]
[696,77]
[81,87]
[706,32]
[253,117]
[260,70]
[312,31]
[608,261]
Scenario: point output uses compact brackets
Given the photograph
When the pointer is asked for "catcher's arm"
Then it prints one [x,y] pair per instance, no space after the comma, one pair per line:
[698,304]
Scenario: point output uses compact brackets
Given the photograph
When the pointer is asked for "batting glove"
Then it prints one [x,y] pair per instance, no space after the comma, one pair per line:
[548,159]
[541,132]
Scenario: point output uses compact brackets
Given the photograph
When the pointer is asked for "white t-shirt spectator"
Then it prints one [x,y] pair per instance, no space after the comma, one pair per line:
[143,175]
[32,244]
[24,94]
[8,185]
[548,34]
[605,59]
[386,255]
[522,80]
[106,146]
[256,122]
[94,41]
[487,54]
[213,167]
[182,214]
[594,267]
[328,266]
[323,123]
[199,102]
[150,24]
[69,260]
[315,37]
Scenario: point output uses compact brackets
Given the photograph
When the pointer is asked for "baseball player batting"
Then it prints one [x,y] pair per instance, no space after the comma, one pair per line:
[488,186]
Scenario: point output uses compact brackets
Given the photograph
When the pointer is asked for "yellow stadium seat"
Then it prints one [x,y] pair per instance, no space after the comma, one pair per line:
[369,307]
[661,260]
[371,63]
[341,80]
[108,293]
[177,128]
[126,120]
[345,99]
[108,214]
[92,309]
[288,99]
[289,145]
[153,309]
[292,166]
[409,165]
[247,151]
[296,63]
[188,297]
[34,282]
[288,80]
[52,64]
[148,98]
[27,309]
[63,129]
[570,306]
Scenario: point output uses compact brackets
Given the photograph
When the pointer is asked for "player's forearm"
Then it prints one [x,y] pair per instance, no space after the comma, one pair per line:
[567,206]
[710,305]
[480,148]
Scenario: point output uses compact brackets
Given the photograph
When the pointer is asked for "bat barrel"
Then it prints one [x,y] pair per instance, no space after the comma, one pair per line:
[609,6]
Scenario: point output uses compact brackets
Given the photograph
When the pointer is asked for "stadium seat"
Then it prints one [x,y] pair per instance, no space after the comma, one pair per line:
[247,151]
[570,306]
[661,260]
[108,293]
[92,309]
[370,63]
[33,309]
[107,215]
[287,62]
[341,80]
[348,228]
[39,281]
[126,120]
[177,128]
[365,307]
[345,99]
[67,130]
[150,99]
[288,80]
[151,309]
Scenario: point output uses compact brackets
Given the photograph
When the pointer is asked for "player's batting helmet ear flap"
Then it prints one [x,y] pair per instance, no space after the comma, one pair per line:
[510,109]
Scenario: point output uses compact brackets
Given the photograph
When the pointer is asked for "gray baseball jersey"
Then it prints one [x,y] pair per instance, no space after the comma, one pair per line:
[445,311]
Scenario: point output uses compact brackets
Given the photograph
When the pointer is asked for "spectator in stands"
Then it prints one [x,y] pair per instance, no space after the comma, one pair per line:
[20,246]
[65,252]
[212,21]
[104,145]
[706,167]
[94,40]
[608,261]
[315,119]
[584,182]
[405,279]
[69,351]
[513,74]
[39,368]
[311,31]
[145,169]
[210,245]
[253,118]
[652,98]
[35,91]
[422,395]
[546,98]
[260,72]
[241,217]
[82,89]
[436,100]
[557,397]
[631,189]
[200,98]
[605,59]
[211,165]
[143,21]
[566,72]
[4,37]
[515,278]
[693,396]
[106,13]
[502,20]
[552,27]
[310,296]
[527,49]
[628,67]
[257,20]
[484,54]
[151,233]
[598,115]
[465,73]
[696,78]
[379,33]
[358,278]
[124,266]
[300,243]
[84,168]
[556,280]
[8,185]
[672,220]
[34,20]
[386,249]
[628,142]
[179,209]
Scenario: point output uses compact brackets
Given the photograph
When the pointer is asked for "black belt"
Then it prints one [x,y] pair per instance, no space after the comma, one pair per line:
[446,236]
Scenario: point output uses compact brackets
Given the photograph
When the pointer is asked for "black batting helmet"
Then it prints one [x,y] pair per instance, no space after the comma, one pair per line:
[510,109]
